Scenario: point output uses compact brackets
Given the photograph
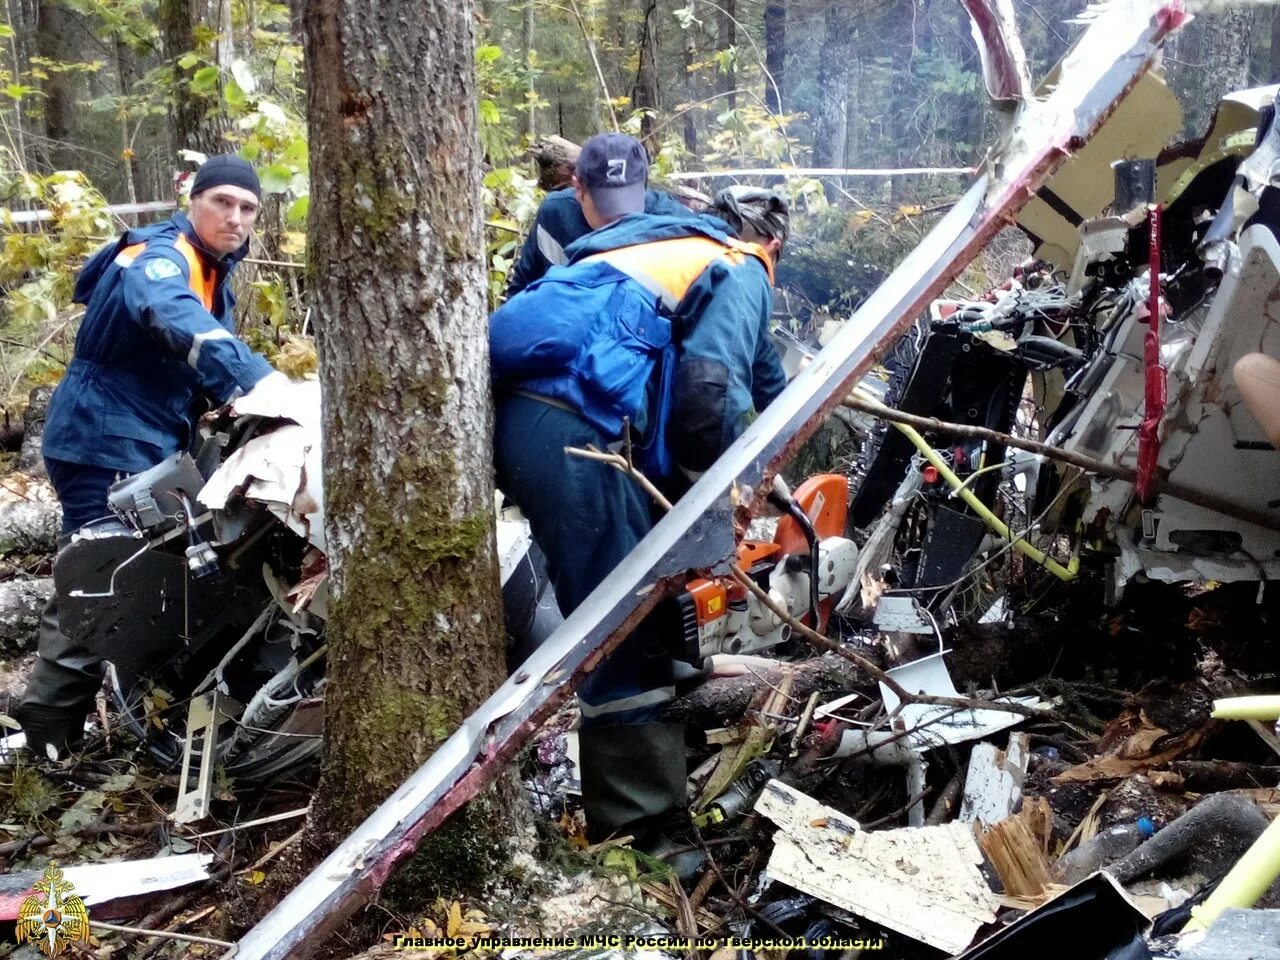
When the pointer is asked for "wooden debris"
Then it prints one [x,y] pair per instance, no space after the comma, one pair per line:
[922,882]
[758,732]
[1087,828]
[942,807]
[1016,847]
[994,784]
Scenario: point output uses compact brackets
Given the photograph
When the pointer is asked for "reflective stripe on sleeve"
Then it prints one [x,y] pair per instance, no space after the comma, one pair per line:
[193,358]
[549,247]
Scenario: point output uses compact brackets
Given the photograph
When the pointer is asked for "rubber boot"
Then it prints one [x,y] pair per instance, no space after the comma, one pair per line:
[633,780]
[60,692]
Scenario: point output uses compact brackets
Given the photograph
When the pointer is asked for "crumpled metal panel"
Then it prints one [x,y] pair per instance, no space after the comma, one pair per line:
[280,469]
[700,531]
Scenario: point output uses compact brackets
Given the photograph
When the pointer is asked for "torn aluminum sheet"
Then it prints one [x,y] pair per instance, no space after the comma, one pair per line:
[1210,442]
[282,471]
[1111,56]
[1141,125]
[1207,439]
[901,614]
[933,726]
[99,883]
[923,882]
[993,785]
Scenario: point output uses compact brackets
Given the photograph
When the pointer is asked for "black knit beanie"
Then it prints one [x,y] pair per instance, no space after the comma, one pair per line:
[226,169]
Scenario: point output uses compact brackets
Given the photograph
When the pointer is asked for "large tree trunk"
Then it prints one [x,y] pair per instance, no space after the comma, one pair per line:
[126,65]
[831,122]
[690,94]
[21,19]
[397,272]
[1210,59]
[775,55]
[530,54]
[1273,74]
[190,128]
[53,26]
[727,81]
[644,94]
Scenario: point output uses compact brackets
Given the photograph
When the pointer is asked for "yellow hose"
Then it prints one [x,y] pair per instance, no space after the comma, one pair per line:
[1247,881]
[1253,873]
[982,510]
[1247,708]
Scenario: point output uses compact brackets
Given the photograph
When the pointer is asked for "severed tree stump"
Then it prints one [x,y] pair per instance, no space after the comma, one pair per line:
[556,158]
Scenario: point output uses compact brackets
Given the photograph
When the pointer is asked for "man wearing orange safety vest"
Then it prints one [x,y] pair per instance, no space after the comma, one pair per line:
[157,334]
[574,366]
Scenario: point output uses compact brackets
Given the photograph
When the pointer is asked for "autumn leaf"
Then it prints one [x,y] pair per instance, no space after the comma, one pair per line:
[454,922]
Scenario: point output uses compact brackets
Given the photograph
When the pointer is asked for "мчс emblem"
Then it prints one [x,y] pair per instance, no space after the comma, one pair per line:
[53,916]
[161,269]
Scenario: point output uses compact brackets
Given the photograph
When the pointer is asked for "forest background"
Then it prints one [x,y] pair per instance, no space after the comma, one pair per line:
[115,101]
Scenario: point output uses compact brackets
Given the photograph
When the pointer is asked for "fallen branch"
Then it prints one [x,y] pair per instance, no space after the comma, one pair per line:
[274,852]
[942,807]
[164,934]
[101,828]
[274,818]
[881,821]
[619,462]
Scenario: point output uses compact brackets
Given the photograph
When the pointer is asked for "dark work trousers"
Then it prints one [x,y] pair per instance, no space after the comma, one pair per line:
[587,517]
[66,676]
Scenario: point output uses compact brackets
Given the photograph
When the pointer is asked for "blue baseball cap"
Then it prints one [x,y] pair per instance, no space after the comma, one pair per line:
[613,168]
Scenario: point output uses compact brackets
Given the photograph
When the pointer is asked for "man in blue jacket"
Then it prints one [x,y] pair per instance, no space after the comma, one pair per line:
[559,222]
[717,293]
[157,334]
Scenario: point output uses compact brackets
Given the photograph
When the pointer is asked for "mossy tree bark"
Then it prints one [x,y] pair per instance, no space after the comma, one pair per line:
[396,272]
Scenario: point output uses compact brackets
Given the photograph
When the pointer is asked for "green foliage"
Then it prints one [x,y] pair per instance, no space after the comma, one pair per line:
[511,199]
[26,796]
[38,265]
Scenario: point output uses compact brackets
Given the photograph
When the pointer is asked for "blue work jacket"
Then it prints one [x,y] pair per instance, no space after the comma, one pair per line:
[717,295]
[157,332]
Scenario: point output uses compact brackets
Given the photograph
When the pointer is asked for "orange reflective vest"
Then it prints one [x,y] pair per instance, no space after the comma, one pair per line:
[200,278]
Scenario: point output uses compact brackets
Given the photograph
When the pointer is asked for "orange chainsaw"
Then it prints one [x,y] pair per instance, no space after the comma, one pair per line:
[805,567]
